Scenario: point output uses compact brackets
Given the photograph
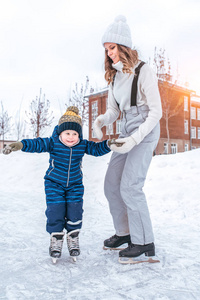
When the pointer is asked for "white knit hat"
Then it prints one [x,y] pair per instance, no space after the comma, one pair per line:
[118,33]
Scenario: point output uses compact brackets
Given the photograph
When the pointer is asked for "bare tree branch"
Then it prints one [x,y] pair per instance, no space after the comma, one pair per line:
[20,125]
[39,116]
[78,99]
[5,125]
[171,105]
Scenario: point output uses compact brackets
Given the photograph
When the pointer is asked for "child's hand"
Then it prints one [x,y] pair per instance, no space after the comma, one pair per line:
[127,144]
[13,147]
[113,142]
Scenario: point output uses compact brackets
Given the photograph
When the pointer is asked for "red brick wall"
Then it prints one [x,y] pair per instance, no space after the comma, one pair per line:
[176,123]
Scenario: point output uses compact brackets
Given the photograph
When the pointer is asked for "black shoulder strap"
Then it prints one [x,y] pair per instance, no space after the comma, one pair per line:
[134,84]
[113,79]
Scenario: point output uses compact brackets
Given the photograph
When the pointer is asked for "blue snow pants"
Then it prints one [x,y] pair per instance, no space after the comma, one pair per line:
[64,206]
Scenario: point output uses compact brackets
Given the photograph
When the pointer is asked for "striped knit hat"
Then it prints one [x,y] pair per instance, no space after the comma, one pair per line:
[70,121]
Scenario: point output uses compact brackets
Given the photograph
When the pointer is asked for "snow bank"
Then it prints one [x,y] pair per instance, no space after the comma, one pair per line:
[173,192]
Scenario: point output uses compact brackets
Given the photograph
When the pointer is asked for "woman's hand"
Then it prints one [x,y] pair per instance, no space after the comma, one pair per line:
[98,124]
[127,144]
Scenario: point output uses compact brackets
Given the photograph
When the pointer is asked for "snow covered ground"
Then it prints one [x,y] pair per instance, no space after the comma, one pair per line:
[173,193]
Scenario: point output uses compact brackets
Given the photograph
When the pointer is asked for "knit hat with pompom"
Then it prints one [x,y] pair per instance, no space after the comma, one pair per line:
[118,33]
[70,121]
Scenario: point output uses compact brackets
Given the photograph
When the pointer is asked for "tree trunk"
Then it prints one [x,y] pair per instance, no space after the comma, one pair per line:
[167,129]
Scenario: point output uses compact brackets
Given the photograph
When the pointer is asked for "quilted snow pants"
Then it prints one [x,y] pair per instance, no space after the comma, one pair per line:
[125,179]
[64,206]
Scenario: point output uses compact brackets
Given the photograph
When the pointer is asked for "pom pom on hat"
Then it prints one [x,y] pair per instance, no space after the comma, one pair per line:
[70,121]
[120,18]
[72,110]
[118,33]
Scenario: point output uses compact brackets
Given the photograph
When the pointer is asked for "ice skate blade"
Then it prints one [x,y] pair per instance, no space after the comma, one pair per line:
[129,260]
[54,260]
[108,248]
[73,258]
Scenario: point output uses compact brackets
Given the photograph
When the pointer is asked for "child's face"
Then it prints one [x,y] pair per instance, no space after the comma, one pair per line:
[69,137]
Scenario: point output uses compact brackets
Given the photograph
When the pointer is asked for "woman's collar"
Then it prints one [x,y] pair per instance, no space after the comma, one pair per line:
[118,66]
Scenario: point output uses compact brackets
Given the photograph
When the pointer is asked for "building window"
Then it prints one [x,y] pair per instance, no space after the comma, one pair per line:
[165,148]
[193,132]
[173,148]
[94,110]
[193,113]
[109,129]
[198,133]
[94,114]
[186,147]
[186,126]
[118,127]
[198,113]
[185,103]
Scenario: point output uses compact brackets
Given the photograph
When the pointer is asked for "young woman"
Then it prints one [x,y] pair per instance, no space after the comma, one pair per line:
[140,106]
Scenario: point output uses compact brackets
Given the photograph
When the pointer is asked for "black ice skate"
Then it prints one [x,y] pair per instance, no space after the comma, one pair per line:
[133,251]
[56,244]
[115,241]
[73,243]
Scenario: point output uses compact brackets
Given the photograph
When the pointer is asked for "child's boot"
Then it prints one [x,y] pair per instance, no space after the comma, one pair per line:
[56,244]
[73,243]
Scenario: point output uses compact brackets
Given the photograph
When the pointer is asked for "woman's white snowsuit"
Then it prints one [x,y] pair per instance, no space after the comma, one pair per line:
[127,172]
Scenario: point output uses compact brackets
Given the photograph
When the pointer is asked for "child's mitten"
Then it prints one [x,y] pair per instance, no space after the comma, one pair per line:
[113,142]
[13,147]
[127,144]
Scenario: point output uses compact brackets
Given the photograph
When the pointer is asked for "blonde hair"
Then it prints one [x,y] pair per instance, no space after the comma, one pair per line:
[127,56]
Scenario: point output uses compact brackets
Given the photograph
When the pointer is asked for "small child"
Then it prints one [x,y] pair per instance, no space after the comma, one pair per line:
[63,180]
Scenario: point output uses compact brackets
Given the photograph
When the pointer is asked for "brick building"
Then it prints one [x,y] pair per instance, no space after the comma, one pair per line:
[184,127]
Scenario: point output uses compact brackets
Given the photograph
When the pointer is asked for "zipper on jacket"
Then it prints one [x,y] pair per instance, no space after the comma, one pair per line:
[70,158]
[52,163]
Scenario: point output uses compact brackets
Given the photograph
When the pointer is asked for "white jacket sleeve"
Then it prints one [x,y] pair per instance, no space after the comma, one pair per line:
[148,86]
[112,111]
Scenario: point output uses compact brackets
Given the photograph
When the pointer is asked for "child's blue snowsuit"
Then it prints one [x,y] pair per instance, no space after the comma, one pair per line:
[63,180]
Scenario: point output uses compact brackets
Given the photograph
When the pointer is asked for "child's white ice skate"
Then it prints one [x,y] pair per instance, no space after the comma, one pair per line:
[73,243]
[56,244]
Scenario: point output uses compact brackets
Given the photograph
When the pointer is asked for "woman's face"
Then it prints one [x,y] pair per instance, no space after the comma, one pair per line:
[112,51]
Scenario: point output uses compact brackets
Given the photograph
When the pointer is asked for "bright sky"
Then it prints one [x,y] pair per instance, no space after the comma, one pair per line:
[51,44]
